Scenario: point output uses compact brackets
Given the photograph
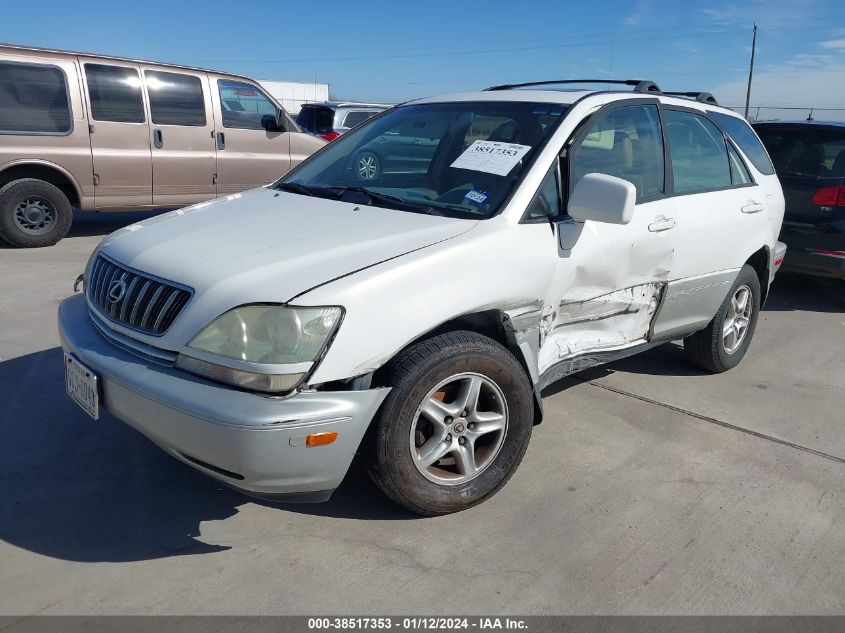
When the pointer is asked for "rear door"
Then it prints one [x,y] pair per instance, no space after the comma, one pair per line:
[120,134]
[248,155]
[720,219]
[182,136]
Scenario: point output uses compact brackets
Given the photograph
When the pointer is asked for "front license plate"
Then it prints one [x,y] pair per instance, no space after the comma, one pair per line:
[81,385]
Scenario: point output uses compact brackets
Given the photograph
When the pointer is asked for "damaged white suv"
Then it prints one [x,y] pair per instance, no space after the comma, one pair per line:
[409,290]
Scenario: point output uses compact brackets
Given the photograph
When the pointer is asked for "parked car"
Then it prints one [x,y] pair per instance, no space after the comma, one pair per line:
[331,119]
[417,316]
[101,133]
[809,158]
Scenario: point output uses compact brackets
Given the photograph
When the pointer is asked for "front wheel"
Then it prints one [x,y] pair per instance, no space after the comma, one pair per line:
[723,343]
[455,425]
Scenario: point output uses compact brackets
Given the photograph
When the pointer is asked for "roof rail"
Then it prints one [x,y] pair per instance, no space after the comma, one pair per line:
[702,97]
[640,85]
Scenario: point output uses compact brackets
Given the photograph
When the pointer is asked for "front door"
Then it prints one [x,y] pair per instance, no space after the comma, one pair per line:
[182,137]
[610,278]
[120,135]
[248,155]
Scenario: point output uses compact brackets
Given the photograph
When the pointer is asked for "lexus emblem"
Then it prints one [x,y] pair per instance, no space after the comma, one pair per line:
[117,289]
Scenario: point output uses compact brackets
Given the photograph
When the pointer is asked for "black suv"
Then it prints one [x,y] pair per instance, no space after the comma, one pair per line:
[809,158]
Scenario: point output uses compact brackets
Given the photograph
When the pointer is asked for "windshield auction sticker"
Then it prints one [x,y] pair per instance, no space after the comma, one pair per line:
[491,157]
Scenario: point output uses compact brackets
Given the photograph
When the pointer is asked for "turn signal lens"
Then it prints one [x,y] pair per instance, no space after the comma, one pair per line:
[320,439]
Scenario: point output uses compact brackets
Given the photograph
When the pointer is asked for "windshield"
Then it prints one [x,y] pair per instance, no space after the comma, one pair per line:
[453,159]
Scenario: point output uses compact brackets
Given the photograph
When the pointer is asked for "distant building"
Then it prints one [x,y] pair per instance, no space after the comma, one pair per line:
[292,94]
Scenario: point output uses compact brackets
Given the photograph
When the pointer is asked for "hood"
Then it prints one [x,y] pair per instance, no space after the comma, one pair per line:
[270,246]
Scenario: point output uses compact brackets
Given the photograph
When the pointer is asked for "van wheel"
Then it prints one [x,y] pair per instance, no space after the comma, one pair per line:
[455,425]
[722,344]
[33,213]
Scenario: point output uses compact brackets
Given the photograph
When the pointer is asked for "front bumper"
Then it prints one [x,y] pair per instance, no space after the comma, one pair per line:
[251,442]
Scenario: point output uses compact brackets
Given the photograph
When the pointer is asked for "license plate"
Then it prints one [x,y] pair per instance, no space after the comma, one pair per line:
[81,386]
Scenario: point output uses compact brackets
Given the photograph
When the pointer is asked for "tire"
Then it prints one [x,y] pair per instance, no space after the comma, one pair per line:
[712,349]
[33,213]
[367,166]
[445,367]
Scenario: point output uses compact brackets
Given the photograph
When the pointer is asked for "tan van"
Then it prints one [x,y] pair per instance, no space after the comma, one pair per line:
[102,133]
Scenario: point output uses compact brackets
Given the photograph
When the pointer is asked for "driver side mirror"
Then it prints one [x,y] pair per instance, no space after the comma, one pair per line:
[602,198]
[273,123]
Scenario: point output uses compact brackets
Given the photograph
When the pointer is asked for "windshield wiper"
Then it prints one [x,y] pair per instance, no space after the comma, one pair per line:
[295,188]
[375,196]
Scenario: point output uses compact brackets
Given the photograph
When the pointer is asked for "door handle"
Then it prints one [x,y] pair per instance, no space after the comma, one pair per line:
[221,141]
[664,224]
[752,206]
[158,139]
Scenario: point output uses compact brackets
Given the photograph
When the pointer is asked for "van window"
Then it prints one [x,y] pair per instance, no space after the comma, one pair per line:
[115,93]
[745,138]
[698,150]
[243,105]
[175,99]
[625,142]
[33,99]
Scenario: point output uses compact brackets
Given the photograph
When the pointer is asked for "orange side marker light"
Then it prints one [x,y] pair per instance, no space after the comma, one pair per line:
[320,439]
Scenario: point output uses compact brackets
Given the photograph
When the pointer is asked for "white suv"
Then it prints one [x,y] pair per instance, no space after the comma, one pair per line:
[416,316]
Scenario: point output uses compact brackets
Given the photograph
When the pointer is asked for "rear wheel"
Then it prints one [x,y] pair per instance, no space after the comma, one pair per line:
[367,166]
[723,343]
[455,425]
[33,213]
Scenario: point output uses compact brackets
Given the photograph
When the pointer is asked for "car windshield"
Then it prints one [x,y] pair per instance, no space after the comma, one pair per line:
[453,159]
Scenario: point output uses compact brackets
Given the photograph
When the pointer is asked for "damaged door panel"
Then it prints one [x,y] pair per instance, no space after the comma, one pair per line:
[614,320]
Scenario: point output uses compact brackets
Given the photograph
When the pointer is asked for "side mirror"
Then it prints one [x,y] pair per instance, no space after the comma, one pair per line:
[273,123]
[602,198]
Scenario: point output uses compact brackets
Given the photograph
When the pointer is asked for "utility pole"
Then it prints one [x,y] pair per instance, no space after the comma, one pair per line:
[751,71]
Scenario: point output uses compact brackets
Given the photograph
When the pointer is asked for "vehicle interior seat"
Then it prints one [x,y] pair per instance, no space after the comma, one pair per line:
[809,162]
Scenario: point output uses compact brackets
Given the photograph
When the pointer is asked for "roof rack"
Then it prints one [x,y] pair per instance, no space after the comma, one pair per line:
[702,97]
[640,85]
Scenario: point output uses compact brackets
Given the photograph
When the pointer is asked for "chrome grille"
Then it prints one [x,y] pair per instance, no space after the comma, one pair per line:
[134,299]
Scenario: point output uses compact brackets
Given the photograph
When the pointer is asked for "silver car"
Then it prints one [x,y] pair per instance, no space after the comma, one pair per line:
[331,119]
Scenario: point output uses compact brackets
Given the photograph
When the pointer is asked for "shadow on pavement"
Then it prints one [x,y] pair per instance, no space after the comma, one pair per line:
[791,291]
[87,223]
[79,490]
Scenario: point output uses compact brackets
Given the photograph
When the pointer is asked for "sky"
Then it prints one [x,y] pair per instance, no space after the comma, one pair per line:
[397,50]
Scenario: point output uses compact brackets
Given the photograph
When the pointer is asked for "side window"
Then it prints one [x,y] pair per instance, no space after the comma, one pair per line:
[745,138]
[356,117]
[698,150]
[739,172]
[545,204]
[243,105]
[115,93]
[625,142]
[33,99]
[175,98]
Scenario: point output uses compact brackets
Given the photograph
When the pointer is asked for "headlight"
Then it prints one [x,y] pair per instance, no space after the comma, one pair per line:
[262,347]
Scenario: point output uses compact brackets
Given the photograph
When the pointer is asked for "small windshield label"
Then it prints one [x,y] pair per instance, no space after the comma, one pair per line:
[478,197]
[491,157]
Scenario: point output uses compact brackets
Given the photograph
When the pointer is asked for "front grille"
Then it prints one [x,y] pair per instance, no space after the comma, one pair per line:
[139,301]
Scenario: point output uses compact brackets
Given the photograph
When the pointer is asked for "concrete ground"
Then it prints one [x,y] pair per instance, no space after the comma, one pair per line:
[650,488]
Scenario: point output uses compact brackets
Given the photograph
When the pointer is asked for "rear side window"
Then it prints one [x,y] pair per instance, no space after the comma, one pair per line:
[356,117]
[745,138]
[316,120]
[115,93]
[739,172]
[243,105]
[175,98]
[699,153]
[33,99]
[626,143]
